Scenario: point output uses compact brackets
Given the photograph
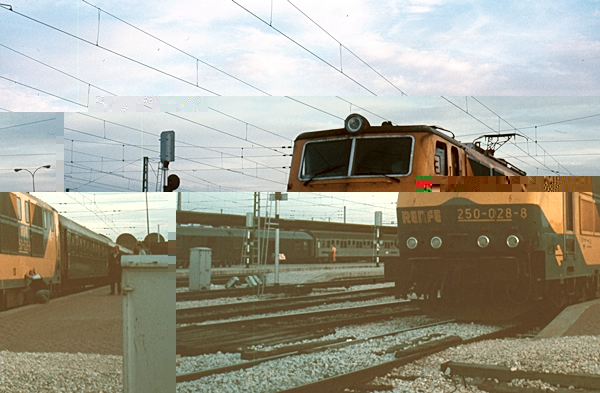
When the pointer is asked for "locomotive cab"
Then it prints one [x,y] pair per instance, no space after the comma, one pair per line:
[361,157]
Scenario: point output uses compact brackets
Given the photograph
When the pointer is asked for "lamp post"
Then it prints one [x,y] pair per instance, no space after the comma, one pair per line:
[32,174]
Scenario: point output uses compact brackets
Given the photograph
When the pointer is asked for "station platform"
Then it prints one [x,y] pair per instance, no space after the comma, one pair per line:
[577,320]
[86,322]
[299,274]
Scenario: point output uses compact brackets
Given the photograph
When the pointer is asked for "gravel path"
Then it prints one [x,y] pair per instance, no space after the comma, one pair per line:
[301,369]
[31,372]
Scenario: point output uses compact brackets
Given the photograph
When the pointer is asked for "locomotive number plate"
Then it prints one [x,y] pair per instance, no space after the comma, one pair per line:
[499,214]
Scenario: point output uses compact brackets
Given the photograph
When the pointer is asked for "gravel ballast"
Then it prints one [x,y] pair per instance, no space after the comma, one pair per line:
[561,355]
[32,372]
[301,369]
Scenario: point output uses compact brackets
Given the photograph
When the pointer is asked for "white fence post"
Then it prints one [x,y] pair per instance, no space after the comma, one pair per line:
[200,264]
[148,323]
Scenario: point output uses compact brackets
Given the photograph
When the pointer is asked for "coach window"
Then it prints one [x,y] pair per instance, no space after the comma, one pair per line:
[497,173]
[439,159]
[27,212]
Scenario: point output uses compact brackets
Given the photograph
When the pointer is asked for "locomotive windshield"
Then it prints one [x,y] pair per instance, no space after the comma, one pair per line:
[365,156]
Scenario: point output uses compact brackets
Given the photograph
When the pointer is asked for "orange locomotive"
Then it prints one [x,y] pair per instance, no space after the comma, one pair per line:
[33,236]
[503,247]
[361,157]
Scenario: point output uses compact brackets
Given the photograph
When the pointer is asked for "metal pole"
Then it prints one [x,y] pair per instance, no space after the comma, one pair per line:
[277,242]
[377,257]
[147,218]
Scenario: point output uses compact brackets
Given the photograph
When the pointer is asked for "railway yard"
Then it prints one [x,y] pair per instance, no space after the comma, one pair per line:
[324,329]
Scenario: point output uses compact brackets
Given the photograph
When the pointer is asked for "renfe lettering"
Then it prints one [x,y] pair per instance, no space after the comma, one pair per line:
[421,216]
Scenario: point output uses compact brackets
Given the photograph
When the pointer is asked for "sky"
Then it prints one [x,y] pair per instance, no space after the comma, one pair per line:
[30,141]
[360,207]
[298,48]
[243,143]
[112,214]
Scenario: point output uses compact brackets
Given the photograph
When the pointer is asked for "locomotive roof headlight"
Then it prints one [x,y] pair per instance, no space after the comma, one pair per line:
[356,123]
[436,242]
[412,243]
[512,241]
[483,241]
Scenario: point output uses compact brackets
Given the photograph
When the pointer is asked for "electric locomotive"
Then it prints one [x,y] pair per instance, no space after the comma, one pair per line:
[499,248]
[33,236]
[361,157]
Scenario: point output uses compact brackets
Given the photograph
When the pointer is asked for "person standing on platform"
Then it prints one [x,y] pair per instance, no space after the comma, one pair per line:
[333,252]
[114,270]
[139,249]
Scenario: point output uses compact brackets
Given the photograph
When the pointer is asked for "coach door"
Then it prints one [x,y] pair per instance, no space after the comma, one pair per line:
[64,254]
[569,233]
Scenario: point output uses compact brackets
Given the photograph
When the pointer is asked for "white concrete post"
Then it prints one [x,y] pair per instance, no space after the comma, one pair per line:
[200,263]
[148,323]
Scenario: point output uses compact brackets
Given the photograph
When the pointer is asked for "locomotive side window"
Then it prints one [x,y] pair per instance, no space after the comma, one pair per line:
[19,208]
[439,159]
[497,173]
[479,169]
[27,217]
[597,217]
[587,215]
[379,156]
[326,159]
[454,165]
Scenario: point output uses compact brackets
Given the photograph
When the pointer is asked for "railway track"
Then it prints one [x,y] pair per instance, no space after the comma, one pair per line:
[359,380]
[229,336]
[294,289]
[378,354]
[224,311]
[257,357]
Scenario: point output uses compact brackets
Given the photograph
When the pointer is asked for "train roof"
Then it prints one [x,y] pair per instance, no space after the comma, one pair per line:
[81,230]
[238,221]
[388,128]
[34,198]
[196,230]
[384,128]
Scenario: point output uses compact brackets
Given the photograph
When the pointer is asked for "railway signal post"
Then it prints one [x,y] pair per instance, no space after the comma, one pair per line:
[378,223]
[278,196]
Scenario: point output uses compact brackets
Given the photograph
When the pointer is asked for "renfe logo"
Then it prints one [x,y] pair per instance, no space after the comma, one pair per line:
[421,216]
